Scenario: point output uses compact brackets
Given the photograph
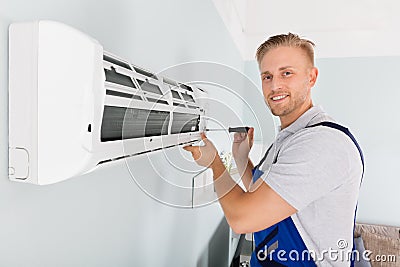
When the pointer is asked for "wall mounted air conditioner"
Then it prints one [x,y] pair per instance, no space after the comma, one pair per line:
[73,106]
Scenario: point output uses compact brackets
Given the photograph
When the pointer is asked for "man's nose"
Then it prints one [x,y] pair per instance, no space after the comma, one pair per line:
[276,84]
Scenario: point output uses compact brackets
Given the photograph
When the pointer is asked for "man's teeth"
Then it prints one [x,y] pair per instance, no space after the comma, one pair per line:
[278,97]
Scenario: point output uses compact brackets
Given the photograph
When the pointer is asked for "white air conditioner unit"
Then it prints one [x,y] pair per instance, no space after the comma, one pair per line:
[73,106]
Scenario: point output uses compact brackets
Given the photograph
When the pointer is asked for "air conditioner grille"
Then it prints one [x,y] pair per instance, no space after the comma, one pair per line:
[188,97]
[149,87]
[121,123]
[183,123]
[175,94]
[114,77]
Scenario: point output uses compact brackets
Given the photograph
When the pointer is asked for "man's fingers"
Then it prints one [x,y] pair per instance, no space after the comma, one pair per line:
[250,133]
[204,138]
[190,148]
[195,150]
[239,137]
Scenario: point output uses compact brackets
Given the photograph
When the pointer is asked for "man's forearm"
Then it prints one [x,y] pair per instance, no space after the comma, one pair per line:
[223,182]
[245,173]
[228,191]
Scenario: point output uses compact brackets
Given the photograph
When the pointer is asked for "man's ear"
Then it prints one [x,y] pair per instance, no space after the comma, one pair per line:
[313,76]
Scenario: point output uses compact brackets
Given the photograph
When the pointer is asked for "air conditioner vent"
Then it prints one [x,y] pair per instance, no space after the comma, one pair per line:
[188,98]
[186,87]
[114,77]
[145,72]
[183,123]
[120,123]
[175,94]
[179,104]
[158,101]
[121,94]
[149,87]
[116,62]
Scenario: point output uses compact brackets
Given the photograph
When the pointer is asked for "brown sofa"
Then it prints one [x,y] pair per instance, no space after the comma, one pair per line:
[383,242]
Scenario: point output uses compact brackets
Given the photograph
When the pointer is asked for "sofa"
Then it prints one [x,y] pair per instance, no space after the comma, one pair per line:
[380,243]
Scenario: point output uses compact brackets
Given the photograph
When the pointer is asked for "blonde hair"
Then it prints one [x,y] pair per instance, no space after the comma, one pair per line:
[290,40]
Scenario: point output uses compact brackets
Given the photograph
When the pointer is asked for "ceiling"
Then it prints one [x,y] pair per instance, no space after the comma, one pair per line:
[340,28]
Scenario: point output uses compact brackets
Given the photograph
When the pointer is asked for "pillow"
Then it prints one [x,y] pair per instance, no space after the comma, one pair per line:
[383,230]
[382,247]
[362,261]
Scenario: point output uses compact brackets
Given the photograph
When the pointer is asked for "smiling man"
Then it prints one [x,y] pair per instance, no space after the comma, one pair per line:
[300,200]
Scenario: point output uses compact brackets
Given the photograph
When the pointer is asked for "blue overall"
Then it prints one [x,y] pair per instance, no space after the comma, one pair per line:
[285,232]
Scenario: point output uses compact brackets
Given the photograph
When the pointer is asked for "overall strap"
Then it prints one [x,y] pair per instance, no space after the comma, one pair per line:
[327,124]
[263,158]
[345,131]
[348,133]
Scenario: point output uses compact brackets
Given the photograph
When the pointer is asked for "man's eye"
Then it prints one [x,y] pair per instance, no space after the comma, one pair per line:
[268,77]
[287,73]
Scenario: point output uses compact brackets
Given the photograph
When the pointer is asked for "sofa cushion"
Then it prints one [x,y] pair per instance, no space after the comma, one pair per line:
[382,241]
[382,230]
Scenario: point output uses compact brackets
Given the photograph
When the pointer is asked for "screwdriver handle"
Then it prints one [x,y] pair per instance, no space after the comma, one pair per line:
[242,129]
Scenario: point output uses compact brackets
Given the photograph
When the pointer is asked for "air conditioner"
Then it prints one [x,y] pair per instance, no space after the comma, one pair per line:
[74,106]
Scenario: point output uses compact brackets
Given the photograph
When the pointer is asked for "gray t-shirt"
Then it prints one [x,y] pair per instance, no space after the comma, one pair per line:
[318,171]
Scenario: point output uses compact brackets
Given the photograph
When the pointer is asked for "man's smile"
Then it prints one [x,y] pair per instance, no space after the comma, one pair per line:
[279,98]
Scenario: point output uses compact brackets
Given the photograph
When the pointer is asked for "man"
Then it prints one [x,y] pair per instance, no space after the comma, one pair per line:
[301,199]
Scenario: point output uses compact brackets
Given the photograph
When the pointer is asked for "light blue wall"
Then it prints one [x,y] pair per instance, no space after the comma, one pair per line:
[269,123]
[363,94]
[103,218]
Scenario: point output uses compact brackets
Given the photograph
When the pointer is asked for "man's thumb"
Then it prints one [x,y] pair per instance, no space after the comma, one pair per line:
[189,148]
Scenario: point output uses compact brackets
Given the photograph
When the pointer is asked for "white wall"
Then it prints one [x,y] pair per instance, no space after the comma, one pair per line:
[103,218]
[363,94]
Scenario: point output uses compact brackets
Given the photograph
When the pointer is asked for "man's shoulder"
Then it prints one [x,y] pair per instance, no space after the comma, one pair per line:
[321,138]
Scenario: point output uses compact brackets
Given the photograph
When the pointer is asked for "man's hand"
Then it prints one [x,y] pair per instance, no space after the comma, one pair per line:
[241,146]
[206,155]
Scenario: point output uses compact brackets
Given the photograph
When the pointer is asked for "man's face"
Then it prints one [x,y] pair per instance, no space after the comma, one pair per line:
[287,77]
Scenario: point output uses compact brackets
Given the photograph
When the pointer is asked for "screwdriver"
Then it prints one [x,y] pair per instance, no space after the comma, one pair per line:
[242,129]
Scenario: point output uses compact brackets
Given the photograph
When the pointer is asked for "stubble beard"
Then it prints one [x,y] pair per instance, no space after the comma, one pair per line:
[289,108]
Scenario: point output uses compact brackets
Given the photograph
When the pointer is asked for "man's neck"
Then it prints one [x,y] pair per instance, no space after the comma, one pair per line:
[290,118]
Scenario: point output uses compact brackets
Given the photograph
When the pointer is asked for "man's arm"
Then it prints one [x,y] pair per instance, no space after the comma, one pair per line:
[242,144]
[245,172]
[245,211]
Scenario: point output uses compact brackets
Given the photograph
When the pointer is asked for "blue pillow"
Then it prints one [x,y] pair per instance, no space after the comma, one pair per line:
[361,251]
